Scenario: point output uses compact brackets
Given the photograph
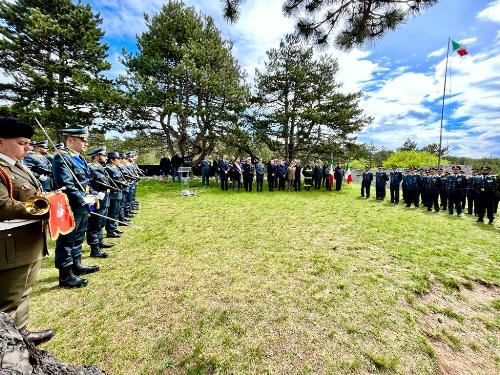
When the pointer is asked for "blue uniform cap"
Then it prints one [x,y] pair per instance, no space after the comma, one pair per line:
[486,167]
[97,150]
[11,127]
[113,155]
[44,144]
[60,146]
[80,132]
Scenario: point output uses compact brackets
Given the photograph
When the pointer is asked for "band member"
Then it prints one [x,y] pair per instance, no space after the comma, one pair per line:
[40,165]
[22,245]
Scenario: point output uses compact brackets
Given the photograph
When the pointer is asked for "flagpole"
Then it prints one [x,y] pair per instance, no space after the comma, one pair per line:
[442,106]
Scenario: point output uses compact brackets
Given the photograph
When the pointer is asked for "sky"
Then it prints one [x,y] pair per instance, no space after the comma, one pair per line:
[401,75]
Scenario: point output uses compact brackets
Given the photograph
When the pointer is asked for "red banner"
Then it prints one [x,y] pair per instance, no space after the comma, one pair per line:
[61,220]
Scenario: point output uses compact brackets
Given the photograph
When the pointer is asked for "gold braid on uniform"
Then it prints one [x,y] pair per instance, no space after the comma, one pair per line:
[6,180]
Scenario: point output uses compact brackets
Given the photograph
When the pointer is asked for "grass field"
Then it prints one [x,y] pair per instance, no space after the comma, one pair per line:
[282,283]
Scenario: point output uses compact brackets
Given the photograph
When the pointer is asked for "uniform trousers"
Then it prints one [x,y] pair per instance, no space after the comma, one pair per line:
[365,189]
[455,200]
[114,213]
[260,181]
[412,197]
[486,204]
[394,194]
[69,246]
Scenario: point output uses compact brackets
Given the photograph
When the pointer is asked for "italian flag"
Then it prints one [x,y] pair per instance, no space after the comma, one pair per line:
[348,174]
[459,48]
[330,177]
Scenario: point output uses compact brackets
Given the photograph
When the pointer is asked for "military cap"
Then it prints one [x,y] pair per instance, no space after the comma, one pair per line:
[131,153]
[13,128]
[122,155]
[44,144]
[77,132]
[60,146]
[97,150]
[456,167]
[486,167]
[394,166]
[113,155]
[412,168]
[380,166]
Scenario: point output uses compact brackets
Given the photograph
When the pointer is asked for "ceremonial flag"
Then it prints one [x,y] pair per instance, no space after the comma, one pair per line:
[459,48]
[348,174]
[61,220]
[330,177]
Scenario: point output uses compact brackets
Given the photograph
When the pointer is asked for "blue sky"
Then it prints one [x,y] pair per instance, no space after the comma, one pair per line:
[401,74]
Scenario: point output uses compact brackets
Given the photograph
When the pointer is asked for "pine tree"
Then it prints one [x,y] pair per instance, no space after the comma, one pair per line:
[52,53]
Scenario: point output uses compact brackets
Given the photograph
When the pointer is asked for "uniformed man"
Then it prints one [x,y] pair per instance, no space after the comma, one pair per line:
[115,196]
[366,182]
[125,205]
[132,157]
[424,177]
[395,178]
[22,243]
[381,179]
[248,173]
[298,175]
[40,165]
[272,171]
[100,183]
[443,194]
[338,175]
[205,171]
[317,174]
[470,193]
[72,172]
[456,184]
[260,170]
[59,146]
[485,189]
[412,183]
[223,173]
[433,186]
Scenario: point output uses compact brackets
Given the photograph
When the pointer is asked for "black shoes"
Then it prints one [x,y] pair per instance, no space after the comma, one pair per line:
[80,269]
[105,245]
[36,338]
[119,231]
[95,252]
[113,235]
[67,279]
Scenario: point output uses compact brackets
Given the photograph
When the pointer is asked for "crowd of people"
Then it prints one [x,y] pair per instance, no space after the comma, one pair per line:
[101,196]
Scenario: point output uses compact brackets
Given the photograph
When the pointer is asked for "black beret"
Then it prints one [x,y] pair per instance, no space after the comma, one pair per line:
[97,150]
[13,128]
[43,143]
[113,155]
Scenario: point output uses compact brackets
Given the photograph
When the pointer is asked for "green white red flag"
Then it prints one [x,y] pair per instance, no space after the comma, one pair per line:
[348,174]
[459,48]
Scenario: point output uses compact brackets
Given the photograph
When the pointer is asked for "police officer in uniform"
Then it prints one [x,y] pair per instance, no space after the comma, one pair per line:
[470,193]
[366,182]
[223,173]
[40,165]
[339,176]
[272,171]
[248,173]
[22,245]
[100,183]
[395,178]
[115,196]
[412,183]
[69,246]
[485,189]
[381,179]
[433,185]
[456,184]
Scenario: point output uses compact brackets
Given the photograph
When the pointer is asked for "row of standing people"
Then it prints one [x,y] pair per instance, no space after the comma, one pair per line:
[281,174]
[438,190]
[101,189]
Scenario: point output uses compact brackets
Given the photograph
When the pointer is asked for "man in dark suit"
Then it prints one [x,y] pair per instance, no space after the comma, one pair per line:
[23,243]
[366,182]
[338,175]
[72,172]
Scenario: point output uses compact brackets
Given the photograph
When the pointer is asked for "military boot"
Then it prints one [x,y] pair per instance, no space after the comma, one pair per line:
[96,252]
[105,245]
[67,279]
[80,269]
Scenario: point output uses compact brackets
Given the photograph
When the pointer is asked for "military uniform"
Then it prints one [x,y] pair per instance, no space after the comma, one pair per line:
[23,242]
[381,179]
[223,173]
[412,183]
[470,195]
[339,176]
[456,185]
[366,183]
[260,170]
[485,190]
[40,166]
[395,179]
[248,173]
[115,196]
[432,186]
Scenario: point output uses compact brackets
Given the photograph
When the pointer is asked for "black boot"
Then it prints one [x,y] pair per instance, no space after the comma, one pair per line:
[37,338]
[105,245]
[67,279]
[80,269]
[119,231]
[113,235]
[95,252]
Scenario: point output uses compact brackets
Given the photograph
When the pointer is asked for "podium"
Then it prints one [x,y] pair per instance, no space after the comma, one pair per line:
[185,174]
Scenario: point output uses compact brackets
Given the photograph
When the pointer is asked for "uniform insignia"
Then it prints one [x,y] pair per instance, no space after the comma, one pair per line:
[26,186]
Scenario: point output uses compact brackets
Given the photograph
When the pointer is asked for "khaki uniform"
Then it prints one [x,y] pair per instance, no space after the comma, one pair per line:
[21,247]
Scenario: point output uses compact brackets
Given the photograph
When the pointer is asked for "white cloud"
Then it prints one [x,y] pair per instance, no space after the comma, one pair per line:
[491,12]
[437,53]
[467,41]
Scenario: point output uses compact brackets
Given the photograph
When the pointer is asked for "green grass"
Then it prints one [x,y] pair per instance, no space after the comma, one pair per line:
[247,283]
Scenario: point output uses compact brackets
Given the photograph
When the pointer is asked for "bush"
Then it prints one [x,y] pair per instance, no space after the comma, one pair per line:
[405,159]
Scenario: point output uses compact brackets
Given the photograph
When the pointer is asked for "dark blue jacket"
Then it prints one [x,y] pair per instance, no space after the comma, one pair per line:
[395,179]
[456,184]
[412,182]
[367,178]
[37,163]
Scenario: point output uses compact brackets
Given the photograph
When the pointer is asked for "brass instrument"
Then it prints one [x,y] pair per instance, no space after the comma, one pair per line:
[37,205]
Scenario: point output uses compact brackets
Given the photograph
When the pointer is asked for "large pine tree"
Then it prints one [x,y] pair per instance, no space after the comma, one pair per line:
[52,54]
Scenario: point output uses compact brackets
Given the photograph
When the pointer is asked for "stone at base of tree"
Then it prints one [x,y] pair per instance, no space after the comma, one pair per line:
[20,357]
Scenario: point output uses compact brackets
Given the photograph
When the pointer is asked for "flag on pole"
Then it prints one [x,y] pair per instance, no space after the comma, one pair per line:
[459,48]
[348,174]
[330,177]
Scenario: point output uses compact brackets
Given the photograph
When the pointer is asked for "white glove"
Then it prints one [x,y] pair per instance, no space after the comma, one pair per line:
[42,178]
[89,199]
[100,195]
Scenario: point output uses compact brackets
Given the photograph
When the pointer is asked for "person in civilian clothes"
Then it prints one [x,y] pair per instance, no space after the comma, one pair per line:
[165,166]
[215,170]
[260,170]
[23,244]
[282,172]
[205,171]
[325,177]
[236,173]
[317,174]
[366,182]
[69,164]
[395,178]
[223,173]
[272,171]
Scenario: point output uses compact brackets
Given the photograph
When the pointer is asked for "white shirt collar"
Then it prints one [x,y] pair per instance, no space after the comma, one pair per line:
[8,159]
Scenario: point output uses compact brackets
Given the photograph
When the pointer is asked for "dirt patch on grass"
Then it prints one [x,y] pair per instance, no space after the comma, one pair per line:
[463,327]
